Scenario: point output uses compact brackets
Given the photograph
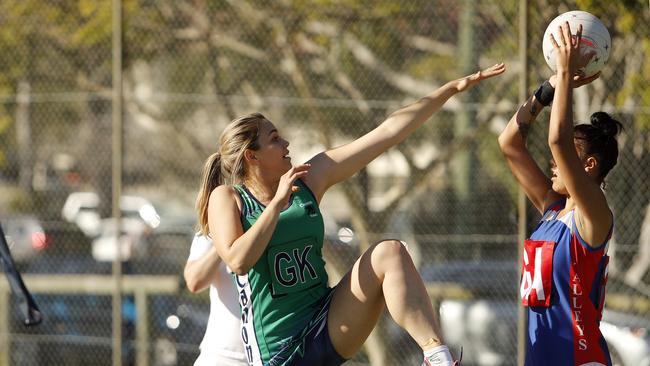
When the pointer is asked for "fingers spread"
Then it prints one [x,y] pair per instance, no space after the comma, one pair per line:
[297,169]
[578,36]
[302,167]
[493,70]
[553,41]
[297,175]
[566,33]
[561,35]
[591,78]
[579,81]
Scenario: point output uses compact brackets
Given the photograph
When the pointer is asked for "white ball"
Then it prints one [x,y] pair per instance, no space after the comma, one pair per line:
[594,37]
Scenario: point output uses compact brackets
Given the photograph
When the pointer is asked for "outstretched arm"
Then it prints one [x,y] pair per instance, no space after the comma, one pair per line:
[593,217]
[333,166]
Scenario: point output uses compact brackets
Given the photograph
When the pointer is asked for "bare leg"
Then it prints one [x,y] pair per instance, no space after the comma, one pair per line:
[383,276]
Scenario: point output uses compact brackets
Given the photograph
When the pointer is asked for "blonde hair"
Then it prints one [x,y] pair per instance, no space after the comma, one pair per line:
[226,166]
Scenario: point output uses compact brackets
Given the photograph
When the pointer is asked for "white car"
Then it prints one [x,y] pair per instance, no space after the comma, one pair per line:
[82,208]
[104,247]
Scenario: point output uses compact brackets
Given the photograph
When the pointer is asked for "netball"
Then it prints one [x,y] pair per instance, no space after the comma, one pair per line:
[595,36]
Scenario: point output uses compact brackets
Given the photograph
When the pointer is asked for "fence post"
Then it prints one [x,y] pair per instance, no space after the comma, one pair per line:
[521,197]
[5,341]
[117,178]
[141,287]
[141,328]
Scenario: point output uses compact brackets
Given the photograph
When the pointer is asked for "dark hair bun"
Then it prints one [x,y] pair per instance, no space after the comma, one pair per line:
[605,123]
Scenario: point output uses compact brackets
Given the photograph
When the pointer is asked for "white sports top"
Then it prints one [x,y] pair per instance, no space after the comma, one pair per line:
[222,333]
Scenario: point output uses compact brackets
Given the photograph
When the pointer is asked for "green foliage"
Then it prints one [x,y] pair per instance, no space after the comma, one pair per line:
[301,59]
[629,16]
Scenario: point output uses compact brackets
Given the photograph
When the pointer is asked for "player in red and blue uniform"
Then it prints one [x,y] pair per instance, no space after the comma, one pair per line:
[564,265]
[563,284]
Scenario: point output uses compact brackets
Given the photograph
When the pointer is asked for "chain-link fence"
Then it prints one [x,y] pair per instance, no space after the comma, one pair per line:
[324,72]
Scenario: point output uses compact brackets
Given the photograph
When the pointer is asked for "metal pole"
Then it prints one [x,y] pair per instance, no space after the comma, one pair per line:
[5,328]
[141,328]
[117,179]
[522,321]
[465,169]
[24,136]
[464,164]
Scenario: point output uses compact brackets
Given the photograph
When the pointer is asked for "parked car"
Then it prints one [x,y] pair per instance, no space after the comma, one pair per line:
[162,250]
[76,329]
[25,236]
[82,208]
[104,248]
[65,238]
[165,248]
[483,319]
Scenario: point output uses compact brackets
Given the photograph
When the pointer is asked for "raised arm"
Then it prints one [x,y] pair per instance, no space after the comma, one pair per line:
[512,141]
[333,166]
[593,217]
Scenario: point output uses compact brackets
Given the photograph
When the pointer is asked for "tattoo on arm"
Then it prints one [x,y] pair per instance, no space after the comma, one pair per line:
[523,124]
[524,127]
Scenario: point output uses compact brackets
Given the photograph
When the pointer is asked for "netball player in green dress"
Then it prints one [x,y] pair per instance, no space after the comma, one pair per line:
[264,219]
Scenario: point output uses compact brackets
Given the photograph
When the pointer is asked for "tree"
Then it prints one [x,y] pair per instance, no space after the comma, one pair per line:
[326,71]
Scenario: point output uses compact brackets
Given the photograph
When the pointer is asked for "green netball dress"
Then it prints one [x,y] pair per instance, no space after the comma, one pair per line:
[283,292]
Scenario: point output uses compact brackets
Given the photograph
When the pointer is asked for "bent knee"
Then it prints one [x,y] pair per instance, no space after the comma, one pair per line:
[391,249]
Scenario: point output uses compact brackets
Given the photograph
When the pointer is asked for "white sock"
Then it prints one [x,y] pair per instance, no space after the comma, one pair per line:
[439,356]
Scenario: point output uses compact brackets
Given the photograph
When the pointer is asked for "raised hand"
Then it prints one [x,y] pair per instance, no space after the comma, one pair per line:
[469,81]
[577,81]
[286,185]
[568,57]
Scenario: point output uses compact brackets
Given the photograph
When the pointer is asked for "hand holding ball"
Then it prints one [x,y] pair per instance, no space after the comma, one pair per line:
[595,37]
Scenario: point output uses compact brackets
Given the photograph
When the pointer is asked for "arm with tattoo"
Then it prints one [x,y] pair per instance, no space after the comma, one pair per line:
[512,142]
[525,116]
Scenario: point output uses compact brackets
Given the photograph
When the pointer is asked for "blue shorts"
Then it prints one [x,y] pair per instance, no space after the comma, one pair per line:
[315,347]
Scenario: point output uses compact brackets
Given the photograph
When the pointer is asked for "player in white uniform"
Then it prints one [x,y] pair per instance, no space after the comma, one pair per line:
[221,345]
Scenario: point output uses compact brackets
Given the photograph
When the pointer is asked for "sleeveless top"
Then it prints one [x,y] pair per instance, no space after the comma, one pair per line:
[281,293]
[221,339]
[563,285]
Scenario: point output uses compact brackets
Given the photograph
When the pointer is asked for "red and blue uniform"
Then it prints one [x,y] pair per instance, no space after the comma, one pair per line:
[563,286]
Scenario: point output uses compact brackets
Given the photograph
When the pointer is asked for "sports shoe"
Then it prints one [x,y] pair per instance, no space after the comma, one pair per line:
[432,362]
